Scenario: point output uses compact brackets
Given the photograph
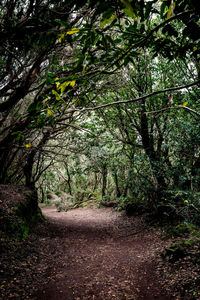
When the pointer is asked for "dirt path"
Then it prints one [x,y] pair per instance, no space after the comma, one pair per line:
[98,254]
[84,254]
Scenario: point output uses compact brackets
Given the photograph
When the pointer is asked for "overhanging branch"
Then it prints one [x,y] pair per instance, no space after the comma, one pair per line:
[174,107]
[139,98]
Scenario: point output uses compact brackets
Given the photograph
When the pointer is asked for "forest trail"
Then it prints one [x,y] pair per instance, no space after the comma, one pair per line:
[99,254]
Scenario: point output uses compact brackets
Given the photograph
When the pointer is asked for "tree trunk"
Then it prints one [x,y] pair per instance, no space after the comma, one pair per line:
[149,150]
[95,182]
[117,189]
[7,151]
[104,179]
[28,168]
[68,180]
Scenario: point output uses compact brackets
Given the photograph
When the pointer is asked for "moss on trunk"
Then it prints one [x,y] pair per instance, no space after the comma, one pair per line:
[19,210]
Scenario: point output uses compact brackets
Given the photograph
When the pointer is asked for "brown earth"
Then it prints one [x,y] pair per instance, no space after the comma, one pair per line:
[104,256]
[85,253]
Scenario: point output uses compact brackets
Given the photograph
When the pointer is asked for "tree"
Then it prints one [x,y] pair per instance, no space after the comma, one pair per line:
[29,38]
[53,54]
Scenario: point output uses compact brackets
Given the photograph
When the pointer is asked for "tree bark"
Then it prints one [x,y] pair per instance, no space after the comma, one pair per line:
[117,189]
[68,180]
[28,168]
[95,182]
[104,179]
[149,150]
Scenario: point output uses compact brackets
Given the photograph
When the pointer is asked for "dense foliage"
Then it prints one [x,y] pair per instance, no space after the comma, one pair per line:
[102,100]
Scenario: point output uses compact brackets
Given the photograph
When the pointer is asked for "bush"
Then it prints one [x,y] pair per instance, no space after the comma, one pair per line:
[65,202]
[178,205]
[132,205]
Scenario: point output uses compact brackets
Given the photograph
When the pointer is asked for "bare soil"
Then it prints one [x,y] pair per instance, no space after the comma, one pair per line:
[84,254]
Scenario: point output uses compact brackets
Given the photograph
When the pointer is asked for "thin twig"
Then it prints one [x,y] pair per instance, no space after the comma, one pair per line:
[79,128]
[173,107]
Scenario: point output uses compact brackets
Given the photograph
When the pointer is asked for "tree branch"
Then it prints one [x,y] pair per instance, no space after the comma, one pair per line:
[139,98]
[174,107]
[79,128]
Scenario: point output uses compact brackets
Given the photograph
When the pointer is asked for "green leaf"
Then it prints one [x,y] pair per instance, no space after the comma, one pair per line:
[171,10]
[75,100]
[50,74]
[39,106]
[64,85]
[62,23]
[61,37]
[50,112]
[49,81]
[56,94]
[107,21]
[128,9]
[184,104]
[72,31]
